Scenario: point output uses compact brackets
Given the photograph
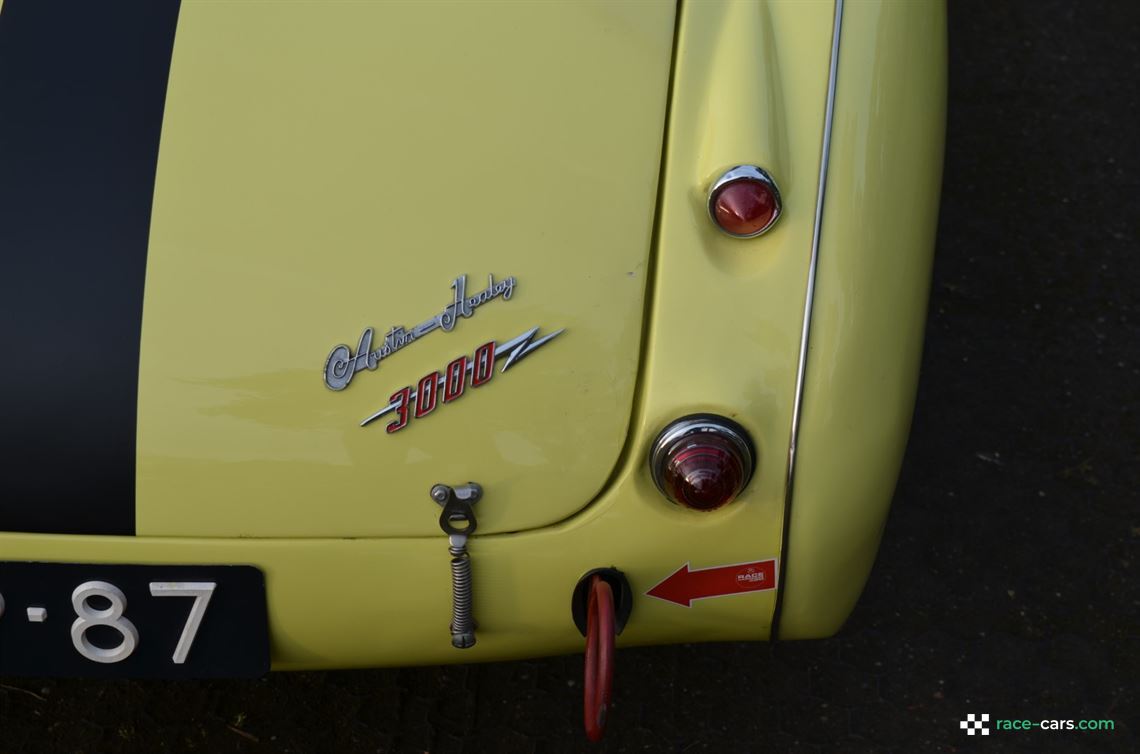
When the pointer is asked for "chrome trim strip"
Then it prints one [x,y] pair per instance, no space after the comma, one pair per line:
[797,406]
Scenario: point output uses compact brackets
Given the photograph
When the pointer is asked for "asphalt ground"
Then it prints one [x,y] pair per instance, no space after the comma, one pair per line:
[1006,582]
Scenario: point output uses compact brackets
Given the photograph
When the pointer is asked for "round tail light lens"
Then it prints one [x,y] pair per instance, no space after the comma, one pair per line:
[702,461]
[744,202]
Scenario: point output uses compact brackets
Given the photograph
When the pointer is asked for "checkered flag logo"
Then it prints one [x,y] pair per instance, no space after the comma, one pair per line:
[974,724]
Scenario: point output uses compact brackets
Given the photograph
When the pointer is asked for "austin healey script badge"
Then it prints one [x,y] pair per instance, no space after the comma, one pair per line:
[342,365]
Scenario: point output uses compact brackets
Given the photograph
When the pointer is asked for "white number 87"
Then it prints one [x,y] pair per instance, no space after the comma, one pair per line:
[113,617]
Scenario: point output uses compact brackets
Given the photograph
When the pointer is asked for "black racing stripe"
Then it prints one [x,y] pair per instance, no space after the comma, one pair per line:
[82,89]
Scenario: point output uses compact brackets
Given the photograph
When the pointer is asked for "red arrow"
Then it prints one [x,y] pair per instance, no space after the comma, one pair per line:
[683,586]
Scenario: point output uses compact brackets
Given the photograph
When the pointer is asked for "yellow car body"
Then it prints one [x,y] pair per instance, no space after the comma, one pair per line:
[324,168]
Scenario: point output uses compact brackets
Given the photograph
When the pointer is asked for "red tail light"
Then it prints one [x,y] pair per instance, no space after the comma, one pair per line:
[744,202]
[702,461]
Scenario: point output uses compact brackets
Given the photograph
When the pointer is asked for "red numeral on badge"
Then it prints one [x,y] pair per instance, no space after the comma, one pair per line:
[404,395]
[426,393]
[427,390]
[456,379]
[484,364]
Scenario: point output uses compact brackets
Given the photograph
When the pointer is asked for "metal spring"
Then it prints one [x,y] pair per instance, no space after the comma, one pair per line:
[462,624]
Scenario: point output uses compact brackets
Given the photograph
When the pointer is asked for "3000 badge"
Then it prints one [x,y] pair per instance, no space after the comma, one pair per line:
[448,385]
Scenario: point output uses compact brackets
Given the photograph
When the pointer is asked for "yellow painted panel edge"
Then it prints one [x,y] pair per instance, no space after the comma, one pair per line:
[869,315]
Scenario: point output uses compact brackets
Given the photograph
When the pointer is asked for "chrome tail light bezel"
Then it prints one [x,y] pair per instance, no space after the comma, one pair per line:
[694,424]
[737,174]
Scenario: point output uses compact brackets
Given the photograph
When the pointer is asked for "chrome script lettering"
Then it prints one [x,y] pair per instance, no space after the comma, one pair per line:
[342,364]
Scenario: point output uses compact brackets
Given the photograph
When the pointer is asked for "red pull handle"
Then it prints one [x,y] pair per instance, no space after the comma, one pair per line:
[600,632]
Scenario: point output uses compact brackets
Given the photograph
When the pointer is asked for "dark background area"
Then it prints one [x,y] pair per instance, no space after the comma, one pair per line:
[1006,582]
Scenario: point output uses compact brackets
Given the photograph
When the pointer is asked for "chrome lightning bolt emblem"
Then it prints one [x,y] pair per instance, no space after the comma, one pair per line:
[446,386]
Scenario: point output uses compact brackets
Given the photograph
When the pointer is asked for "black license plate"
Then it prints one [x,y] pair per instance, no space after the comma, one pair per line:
[132,621]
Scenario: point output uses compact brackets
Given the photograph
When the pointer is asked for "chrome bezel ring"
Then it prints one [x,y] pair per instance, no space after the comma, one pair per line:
[735,175]
[694,424]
